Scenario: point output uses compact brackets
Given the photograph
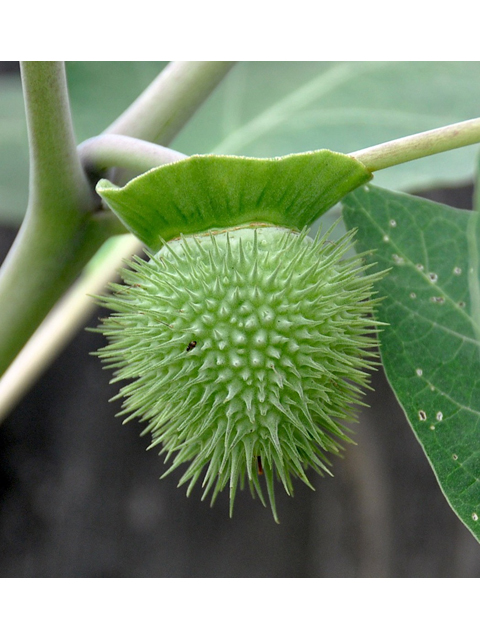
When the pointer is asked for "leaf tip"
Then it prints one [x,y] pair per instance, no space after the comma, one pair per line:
[104,185]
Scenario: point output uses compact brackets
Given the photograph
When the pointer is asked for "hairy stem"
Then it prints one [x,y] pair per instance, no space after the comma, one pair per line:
[419,145]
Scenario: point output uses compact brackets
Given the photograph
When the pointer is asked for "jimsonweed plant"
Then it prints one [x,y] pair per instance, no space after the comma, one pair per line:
[245,338]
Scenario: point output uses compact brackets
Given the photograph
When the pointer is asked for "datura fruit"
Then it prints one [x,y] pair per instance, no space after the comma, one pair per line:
[245,349]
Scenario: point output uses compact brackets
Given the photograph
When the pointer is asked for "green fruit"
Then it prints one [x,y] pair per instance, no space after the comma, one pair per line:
[244,349]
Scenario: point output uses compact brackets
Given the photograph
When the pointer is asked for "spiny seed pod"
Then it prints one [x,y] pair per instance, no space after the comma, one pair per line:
[244,349]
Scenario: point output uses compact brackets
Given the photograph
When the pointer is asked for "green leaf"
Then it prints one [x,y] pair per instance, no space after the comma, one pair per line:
[267,109]
[211,192]
[431,346]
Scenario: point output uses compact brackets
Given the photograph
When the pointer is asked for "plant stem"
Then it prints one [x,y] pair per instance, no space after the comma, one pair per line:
[58,236]
[55,332]
[419,145]
[57,178]
[168,103]
[111,150]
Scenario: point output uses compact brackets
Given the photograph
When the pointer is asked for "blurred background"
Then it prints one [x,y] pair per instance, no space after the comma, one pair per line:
[80,496]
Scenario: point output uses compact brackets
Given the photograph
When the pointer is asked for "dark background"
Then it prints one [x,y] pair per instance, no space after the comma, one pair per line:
[80,496]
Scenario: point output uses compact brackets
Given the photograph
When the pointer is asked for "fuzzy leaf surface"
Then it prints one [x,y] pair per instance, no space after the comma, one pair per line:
[215,192]
[431,346]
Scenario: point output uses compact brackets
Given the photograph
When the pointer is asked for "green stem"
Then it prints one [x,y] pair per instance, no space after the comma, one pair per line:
[420,145]
[55,332]
[169,102]
[58,236]
[111,150]
[57,179]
